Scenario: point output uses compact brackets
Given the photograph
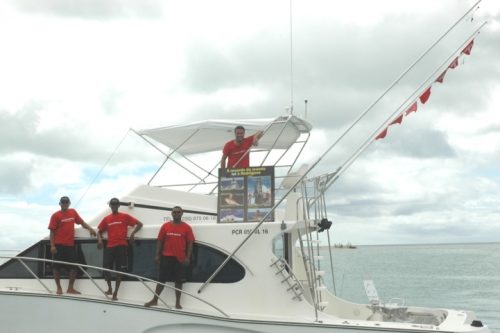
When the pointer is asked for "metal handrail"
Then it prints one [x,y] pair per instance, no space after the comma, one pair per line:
[137,277]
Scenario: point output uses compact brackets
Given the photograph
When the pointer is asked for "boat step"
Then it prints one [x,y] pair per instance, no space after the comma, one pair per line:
[323,304]
[320,273]
[281,269]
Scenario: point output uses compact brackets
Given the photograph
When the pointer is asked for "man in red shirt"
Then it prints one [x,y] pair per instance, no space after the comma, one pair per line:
[62,242]
[173,252]
[116,225]
[237,151]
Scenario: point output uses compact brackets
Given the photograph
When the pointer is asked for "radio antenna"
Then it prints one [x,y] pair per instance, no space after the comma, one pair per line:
[291,59]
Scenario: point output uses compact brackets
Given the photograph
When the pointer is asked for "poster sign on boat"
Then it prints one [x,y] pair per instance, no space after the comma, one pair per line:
[246,194]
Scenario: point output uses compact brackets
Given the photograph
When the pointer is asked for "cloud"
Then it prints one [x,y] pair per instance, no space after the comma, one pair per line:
[22,134]
[417,143]
[93,9]
[78,74]
[15,175]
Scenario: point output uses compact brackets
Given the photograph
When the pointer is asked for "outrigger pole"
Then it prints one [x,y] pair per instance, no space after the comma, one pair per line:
[363,114]
[398,110]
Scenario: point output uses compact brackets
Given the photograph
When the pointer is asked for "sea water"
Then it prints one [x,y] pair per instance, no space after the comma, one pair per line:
[457,276]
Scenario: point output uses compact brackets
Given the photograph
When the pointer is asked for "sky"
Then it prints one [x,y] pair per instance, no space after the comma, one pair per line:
[77,75]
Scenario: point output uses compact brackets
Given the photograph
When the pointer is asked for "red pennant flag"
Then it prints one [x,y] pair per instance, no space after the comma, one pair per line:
[468,48]
[398,120]
[412,108]
[425,96]
[440,78]
[454,63]
[382,134]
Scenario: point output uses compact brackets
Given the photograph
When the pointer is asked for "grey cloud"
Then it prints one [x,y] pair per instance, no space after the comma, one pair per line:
[342,71]
[21,134]
[93,9]
[15,176]
[418,143]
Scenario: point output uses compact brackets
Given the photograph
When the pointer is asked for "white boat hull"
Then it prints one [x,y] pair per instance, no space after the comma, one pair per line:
[21,312]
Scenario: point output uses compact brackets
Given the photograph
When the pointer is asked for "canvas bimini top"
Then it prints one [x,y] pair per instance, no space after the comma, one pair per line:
[210,135]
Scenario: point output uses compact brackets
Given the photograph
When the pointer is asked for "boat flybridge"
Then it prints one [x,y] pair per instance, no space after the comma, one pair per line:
[256,263]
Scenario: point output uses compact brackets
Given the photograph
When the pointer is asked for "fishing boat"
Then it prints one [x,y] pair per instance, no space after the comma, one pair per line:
[256,263]
[262,276]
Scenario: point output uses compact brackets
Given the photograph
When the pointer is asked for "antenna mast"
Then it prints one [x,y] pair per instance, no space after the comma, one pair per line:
[291,60]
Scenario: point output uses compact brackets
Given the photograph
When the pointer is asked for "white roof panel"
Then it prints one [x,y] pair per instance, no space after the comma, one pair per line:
[211,135]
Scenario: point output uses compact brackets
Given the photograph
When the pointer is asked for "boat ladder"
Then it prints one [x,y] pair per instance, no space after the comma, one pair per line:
[288,278]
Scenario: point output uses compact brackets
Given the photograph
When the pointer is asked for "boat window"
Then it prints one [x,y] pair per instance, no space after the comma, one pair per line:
[206,260]
[140,262]
[87,254]
[278,247]
[204,263]
[14,269]
[281,246]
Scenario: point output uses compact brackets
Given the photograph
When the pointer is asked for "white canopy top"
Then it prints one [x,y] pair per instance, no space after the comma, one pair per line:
[211,135]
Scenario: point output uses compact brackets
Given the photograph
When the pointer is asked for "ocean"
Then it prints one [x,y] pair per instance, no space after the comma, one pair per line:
[456,276]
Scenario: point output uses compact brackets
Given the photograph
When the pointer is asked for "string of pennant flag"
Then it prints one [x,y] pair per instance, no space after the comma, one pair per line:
[424,97]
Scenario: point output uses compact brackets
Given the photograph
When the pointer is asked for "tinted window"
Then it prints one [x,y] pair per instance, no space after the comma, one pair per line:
[14,269]
[140,262]
[206,260]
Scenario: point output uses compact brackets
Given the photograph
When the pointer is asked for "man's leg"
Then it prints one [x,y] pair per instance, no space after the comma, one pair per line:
[72,278]
[178,288]
[117,286]
[163,276]
[154,301]
[121,266]
[57,279]
[108,263]
[70,256]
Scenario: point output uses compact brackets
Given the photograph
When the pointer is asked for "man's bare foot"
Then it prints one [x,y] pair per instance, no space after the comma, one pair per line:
[114,298]
[178,306]
[109,292]
[73,291]
[151,303]
[59,291]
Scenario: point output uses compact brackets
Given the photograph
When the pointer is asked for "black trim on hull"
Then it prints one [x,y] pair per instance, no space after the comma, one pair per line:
[129,204]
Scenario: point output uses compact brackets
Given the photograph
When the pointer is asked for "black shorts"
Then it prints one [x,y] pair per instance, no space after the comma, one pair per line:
[64,253]
[116,258]
[171,270]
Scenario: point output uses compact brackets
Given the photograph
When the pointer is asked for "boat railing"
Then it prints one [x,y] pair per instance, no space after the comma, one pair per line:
[82,268]
[201,178]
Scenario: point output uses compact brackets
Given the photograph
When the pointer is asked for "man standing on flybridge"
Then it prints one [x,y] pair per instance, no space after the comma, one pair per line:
[237,151]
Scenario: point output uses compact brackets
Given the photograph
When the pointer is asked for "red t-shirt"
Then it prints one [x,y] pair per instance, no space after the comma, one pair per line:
[116,225]
[234,152]
[175,238]
[63,225]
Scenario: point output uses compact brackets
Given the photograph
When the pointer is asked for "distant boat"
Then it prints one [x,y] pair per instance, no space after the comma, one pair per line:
[346,246]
